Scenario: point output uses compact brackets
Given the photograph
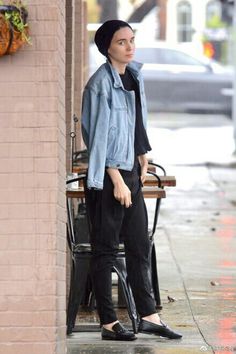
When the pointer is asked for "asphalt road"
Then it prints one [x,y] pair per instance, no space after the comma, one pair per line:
[178,138]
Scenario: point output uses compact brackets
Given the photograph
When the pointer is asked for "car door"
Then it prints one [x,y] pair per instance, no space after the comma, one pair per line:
[177,81]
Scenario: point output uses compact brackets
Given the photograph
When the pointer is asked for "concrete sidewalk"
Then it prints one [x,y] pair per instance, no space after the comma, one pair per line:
[196,251]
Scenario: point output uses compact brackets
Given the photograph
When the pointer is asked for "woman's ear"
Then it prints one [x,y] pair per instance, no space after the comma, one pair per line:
[108,56]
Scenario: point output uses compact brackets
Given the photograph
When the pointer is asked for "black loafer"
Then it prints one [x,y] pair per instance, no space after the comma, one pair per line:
[160,330]
[118,333]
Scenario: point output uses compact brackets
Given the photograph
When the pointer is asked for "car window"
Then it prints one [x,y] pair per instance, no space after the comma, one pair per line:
[148,55]
[164,56]
[175,57]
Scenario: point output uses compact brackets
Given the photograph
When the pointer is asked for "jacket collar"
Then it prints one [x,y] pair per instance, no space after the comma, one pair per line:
[133,66]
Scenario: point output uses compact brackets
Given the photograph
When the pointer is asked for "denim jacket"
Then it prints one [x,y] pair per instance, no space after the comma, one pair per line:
[108,121]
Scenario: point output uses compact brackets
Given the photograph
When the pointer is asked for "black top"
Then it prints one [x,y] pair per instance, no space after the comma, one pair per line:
[141,143]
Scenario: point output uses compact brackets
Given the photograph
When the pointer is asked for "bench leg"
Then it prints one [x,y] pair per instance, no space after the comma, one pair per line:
[79,275]
[154,276]
[120,269]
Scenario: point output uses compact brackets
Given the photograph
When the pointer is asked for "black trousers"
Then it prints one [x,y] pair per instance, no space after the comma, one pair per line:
[109,222]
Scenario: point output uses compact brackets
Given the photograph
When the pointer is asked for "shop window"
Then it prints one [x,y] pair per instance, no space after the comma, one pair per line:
[213,9]
[184,21]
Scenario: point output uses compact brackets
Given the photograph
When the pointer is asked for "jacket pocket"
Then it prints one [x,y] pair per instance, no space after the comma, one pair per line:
[111,142]
[117,144]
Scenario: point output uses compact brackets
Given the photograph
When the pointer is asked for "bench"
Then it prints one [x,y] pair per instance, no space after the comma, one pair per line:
[153,189]
[166,181]
[82,167]
[148,192]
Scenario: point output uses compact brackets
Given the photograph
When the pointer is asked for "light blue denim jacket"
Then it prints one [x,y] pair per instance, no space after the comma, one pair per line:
[108,121]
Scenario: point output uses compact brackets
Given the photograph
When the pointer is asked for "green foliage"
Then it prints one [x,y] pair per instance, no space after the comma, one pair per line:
[215,22]
[93,11]
[17,18]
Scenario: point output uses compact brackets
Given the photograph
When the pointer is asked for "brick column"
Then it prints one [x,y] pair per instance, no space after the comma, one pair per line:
[76,75]
[162,18]
[80,67]
[69,80]
[32,188]
[76,69]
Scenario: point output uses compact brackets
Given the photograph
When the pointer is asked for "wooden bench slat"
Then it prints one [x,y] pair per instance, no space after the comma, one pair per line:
[153,192]
[148,192]
[75,193]
[166,181]
[82,167]
[152,168]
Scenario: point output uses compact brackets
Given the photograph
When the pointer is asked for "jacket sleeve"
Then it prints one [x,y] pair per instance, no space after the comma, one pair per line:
[95,126]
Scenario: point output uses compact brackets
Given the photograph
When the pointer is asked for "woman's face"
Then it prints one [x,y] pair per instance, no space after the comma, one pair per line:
[122,47]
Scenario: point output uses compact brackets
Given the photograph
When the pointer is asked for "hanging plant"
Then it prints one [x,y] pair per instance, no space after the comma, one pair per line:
[14,29]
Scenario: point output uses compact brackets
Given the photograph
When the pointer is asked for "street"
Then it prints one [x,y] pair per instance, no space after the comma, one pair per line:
[179,138]
[195,240]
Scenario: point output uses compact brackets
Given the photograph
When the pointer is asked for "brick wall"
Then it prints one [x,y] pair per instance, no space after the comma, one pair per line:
[32,185]
[76,70]
[80,68]
[76,76]
[69,79]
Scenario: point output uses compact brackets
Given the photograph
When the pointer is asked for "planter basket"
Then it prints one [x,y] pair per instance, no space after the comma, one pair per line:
[10,39]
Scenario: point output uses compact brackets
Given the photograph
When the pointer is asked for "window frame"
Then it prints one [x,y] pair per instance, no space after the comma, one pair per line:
[184,21]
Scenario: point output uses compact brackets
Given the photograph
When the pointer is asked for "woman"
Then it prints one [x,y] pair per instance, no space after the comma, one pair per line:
[114,130]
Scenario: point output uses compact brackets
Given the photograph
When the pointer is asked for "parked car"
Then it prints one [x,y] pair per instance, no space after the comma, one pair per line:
[177,79]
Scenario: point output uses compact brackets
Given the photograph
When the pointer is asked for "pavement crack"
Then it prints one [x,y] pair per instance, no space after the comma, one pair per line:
[185,290]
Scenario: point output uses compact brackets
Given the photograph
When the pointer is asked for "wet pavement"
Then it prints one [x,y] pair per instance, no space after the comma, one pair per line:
[195,242]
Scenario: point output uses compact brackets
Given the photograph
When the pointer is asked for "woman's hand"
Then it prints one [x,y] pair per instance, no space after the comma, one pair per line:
[121,191]
[122,194]
[144,167]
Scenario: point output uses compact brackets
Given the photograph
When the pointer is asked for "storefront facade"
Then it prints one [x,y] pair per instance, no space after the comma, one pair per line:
[40,89]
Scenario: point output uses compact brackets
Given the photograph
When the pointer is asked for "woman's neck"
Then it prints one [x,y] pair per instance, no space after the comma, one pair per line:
[120,67]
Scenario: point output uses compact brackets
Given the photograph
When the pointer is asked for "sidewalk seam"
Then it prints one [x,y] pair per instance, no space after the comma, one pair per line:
[185,289]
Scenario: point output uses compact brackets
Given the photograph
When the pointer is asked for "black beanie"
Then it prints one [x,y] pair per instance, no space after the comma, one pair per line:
[105,32]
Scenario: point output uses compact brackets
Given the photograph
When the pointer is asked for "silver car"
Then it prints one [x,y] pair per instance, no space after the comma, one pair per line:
[178,81]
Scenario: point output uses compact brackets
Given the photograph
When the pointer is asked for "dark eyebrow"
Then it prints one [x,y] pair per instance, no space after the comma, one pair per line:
[124,39]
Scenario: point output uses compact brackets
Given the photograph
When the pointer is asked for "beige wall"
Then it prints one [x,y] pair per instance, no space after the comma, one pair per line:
[32,185]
